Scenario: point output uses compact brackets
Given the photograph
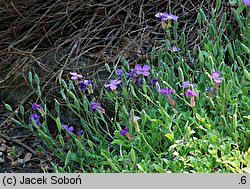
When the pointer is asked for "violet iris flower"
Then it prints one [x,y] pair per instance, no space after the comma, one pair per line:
[142,70]
[168,92]
[216,77]
[75,75]
[80,132]
[84,84]
[174,49]
[164,16]
[132,73]
[36,106]
[119,72]
[247,2]
[39,107]
[157,85]
[153,81]
[97,106]
[192,94]
[113,84]
[140,81]
[126,132]
[187,83]
[68,128]
[36,118]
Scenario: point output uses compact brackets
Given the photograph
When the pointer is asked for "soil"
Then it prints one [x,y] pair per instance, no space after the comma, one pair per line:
[19,148]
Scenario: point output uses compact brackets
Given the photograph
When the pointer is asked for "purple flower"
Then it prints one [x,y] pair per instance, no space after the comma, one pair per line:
[209,89]
[174,49]
[36,118]
[68,128]
[166,91]
[173,17]
[192,93]
[113,84]
[247,2]
[124,131]
[136,118]
[187,83]
[140,81]
[216,77]
[164,16]
[132,73]
[36,106]
[84,84]
[75,75]
[97,106]
[153,81]
[158,88]
[142,70]
[80,132]
[119,72]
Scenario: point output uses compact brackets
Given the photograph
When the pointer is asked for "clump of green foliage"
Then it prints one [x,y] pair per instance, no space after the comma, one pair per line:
[169,116]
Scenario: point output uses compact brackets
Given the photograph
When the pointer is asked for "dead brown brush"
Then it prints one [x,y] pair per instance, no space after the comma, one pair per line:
[50,36]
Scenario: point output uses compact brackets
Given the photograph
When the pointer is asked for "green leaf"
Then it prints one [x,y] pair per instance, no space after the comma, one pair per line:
[107,67]
[30,78]
[143,117]
[109,162]
[8,107]
[67,159]
[79,144]
[61,141]
[183,42]
[21,110]
[76,104]
[199,19]
[58,124]
[203,16]
[132,154]
[181,75]
[125,63]
[153,54]
[169,59]
[105,153]
[16,122]
[245,48]
[247,74]
[57,106]
[235,124]
[37,79]
[218,5]
[170,136]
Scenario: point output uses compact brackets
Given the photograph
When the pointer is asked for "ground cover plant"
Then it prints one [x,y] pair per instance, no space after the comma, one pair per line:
[181,111]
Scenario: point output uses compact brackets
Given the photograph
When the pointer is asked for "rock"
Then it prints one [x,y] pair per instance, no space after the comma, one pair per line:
[2,160]
[2,148]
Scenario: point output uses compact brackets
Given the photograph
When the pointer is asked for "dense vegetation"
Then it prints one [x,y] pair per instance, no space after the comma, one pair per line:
[180,111]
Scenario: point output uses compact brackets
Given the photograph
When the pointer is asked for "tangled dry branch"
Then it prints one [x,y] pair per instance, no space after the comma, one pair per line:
[51,36]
